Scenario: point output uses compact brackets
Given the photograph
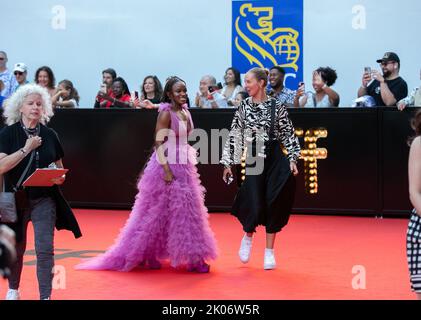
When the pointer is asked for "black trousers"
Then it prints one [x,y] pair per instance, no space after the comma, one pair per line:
[42,213]
[267,199]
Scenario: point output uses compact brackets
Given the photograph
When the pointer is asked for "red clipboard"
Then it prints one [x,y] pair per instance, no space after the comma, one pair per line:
[44,177]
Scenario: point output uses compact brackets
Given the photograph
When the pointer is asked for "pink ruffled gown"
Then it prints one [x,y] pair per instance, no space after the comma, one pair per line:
[167,220]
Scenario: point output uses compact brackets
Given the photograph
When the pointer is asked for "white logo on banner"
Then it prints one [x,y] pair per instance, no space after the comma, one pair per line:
[59,19]
[359,21]
[59,280]
[359,281]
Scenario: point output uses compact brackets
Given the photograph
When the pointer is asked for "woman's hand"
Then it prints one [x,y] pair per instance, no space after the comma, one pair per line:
[300,91]
[168,176]
[32,143]
[294,169]
[402,105]
[101,94]
[227,173]
[148,104]
[197,99]
[136,103]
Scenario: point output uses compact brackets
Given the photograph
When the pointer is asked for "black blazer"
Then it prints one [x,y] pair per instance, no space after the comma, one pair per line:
[65,218]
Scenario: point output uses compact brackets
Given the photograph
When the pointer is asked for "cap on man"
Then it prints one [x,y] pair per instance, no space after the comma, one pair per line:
[20,71]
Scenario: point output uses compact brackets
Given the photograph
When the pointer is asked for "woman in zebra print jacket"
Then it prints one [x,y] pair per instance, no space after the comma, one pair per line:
[266,196]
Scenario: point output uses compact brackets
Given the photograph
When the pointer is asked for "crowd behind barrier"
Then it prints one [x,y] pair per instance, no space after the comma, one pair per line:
[383,87]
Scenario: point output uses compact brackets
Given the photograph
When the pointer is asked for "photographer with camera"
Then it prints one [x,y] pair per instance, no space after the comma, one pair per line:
[7,250]
[108,76]
[386,88]
[209,95]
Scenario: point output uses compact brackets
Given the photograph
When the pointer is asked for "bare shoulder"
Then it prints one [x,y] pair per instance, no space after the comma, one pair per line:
[164,115]
[415,152]
[164,119]
[416,144]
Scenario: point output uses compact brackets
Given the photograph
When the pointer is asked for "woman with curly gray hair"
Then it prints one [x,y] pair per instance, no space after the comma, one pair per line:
[28,143]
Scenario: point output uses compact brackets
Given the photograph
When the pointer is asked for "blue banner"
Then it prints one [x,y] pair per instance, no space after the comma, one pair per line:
[266,33]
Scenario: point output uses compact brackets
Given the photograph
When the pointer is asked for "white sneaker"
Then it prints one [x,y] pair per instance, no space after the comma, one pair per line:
[12,295]
[245,248]
[269,262]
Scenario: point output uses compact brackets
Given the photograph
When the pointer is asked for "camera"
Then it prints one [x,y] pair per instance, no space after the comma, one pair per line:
[135,95]
[103,88]
[215,88]
[7,250]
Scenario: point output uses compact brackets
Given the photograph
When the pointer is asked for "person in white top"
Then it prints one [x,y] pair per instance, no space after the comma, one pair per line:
[324,96]
[66,96]
[414,99]
[6,77]
[232,85]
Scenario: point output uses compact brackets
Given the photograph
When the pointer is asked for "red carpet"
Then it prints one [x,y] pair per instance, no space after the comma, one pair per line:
[315,257]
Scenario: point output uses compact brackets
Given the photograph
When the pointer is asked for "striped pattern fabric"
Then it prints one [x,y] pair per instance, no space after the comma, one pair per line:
[413,250]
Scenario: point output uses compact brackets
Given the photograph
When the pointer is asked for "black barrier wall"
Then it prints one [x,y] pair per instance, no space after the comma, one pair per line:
[365,172]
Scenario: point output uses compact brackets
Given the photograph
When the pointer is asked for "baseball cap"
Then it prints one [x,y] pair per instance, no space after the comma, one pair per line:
[21,67]
[389,56]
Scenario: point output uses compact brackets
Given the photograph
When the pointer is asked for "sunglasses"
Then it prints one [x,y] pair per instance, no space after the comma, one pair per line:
[1,58]
[18,73]
[386,63]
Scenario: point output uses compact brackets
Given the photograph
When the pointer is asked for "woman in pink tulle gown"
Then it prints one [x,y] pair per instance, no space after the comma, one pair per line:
[169,218]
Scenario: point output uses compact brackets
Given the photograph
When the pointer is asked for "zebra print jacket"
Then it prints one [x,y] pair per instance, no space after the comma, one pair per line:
[251,123]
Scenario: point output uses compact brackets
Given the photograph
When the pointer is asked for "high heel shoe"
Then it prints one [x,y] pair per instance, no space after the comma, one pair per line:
[154,264]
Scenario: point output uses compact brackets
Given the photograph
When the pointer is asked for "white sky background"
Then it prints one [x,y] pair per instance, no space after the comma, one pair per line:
[191,38]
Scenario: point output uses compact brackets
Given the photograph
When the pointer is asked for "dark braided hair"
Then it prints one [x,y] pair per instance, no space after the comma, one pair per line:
[124,84]
[171,81]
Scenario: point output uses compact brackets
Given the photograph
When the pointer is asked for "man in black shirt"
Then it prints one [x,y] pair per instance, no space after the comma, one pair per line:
[387,88]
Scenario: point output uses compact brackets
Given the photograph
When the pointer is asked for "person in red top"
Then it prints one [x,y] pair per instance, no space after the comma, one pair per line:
[120,95]
[108,76]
